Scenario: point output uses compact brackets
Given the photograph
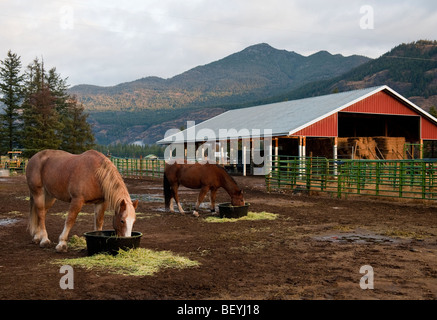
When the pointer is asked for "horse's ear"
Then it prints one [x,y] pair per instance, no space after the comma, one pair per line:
[122,205]
[135,204]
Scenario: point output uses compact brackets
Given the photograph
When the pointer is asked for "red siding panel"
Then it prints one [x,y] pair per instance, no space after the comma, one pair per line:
[378,103]
[429,130]
[326,127]
[381,103]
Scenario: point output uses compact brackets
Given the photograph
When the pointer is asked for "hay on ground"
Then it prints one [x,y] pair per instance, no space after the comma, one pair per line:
[250,216]
[134,262]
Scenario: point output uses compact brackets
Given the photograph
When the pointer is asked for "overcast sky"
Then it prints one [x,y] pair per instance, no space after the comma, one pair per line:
[106,42]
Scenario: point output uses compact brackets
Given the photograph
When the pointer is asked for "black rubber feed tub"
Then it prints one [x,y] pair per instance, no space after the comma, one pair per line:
[227,210]
[108,242]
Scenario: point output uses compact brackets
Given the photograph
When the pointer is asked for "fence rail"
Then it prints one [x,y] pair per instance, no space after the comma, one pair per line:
[415,179]
[139,168]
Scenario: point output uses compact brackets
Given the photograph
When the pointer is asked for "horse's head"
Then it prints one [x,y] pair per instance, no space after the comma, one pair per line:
[237,198]
[124,218]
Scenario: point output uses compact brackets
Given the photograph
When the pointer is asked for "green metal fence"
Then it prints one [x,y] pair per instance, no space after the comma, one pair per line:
[415,179]
[139,168]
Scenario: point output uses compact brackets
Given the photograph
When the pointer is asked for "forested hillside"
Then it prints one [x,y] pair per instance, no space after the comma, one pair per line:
[254,73]
[410,69]
[144,109]
[122,112]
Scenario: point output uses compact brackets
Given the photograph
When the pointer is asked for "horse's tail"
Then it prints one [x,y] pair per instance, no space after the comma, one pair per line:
[167,192]
[33,218]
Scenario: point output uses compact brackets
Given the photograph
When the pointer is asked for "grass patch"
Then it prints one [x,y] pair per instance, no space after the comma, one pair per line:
[344,228]
[77,243]
[405,234]
[65,214]
[142,215]
[14,213]
[25,198]
[134,262]
[250,216]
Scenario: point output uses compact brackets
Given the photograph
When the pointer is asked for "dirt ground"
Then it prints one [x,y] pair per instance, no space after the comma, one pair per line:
[313,250]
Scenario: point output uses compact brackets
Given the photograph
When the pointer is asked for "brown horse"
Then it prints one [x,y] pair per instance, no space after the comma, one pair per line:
[88,178]
[206,177]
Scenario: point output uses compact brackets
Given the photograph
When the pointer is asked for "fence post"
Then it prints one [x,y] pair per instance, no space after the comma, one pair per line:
[308,168]
[401,178]
[289,177]
[322,173]
[279,171]
[378,177]
[359,177]
[423,180]
[131,165]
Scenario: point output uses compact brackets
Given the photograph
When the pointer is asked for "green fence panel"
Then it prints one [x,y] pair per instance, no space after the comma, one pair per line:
[389,178]
[139,168]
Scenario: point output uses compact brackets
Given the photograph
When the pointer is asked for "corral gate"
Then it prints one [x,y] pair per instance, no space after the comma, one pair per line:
[415,178]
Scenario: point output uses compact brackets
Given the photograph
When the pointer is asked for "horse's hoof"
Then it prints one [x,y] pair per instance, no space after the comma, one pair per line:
[195,213]
[61,247]
[45,243]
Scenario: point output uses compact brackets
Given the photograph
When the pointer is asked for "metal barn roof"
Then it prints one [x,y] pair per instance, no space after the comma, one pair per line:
[284,118]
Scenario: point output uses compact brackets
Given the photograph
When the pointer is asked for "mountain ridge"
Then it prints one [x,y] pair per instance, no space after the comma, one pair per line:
[254,72]
[258,74]
[410,69]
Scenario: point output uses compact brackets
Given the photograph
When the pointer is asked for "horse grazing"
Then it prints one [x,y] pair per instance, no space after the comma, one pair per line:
[205,177]
[88,178]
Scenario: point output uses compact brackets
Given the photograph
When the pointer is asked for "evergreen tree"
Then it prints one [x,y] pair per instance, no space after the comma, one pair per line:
[77,135]
[41,122]
[51,117]
[58,87]
[11,96]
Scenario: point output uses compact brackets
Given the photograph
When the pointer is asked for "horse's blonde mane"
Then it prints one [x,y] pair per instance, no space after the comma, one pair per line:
[112,184]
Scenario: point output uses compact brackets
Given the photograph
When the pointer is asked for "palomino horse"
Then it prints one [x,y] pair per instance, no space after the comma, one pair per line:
[88,178]
[205,177]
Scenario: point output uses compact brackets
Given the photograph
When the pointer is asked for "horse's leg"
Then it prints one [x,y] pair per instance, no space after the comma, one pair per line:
[171,206]
[99,214]
[34,226]
[48,203]
[212,199]
[75,206]
[176,198]
[40,205]
[201,196]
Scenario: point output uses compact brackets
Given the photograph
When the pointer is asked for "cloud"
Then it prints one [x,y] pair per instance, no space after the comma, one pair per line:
[109,42]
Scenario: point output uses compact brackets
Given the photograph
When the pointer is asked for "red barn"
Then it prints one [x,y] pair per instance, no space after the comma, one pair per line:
[371,123]
[378,124]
